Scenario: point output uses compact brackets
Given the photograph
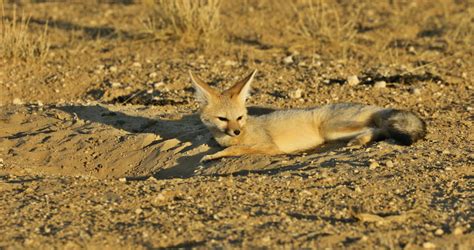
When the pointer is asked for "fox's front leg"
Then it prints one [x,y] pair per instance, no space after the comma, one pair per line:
[239,150]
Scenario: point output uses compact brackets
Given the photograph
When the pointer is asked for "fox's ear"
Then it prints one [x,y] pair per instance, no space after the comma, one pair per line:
[241,89]
[204,93]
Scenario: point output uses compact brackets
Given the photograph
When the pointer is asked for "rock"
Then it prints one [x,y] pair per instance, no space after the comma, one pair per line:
[295,94]
[113,69]
[137,65]
[305,193]
[389,164]
[123,179]
[429,245]
[17,101]
[138,211]
[374,165]
[288,60]
[158,85]
[380,84]
[230,63]
[153,75]
[353,80]
[115,85]
[439,232]
[458,231]
[415,91]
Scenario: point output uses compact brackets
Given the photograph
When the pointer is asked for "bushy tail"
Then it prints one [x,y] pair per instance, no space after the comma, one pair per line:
[404,126]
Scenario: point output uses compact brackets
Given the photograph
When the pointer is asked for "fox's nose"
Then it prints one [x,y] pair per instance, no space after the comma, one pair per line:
[236,132]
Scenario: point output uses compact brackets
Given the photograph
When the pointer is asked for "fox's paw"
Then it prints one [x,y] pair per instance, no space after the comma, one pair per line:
[355,143]
[207,158]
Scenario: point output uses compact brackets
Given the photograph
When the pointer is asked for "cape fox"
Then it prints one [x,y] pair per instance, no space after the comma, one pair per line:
[295,130]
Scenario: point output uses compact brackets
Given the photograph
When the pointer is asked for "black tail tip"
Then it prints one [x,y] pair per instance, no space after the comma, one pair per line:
[406,127]
[403,138]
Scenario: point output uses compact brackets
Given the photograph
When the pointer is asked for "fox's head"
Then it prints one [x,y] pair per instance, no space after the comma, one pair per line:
[223,111]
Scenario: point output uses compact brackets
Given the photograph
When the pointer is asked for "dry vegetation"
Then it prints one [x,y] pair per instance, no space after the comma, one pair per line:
[17,42]
[196,20]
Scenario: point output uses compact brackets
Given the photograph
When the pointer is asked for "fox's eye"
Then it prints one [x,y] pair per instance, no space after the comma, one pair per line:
[239,118]
[222,119]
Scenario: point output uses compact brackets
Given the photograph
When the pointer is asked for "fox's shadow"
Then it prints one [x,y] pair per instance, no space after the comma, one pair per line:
[185,128]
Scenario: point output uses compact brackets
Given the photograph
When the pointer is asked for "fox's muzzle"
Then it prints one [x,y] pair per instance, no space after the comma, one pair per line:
[233,129]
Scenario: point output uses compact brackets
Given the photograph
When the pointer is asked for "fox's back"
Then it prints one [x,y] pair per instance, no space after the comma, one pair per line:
[303,129]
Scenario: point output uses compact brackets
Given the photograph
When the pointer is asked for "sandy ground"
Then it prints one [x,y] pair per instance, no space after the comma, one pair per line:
[100,144]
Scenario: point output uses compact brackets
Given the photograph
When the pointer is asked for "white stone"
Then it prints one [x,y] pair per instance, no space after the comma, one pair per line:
[389,164]
[17,101]
[380,84]
[137,65]
[288,60]
[429,245]
[353,80]
[230,63]
[295,94]
[115,84]
[416,91]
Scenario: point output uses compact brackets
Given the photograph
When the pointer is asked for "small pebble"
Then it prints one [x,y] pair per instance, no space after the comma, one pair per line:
[115,84]
[389,164]
[138,211]
[415,91]
[353,80]
[153,75]
[123,179]
[136,65]
[230,63]
[439,232]
[429,245]
[374,165]
[288,60]
[412,50]
[380,84]
[113,69]
[158,85]
[458,231]
[295,94]
[17,101]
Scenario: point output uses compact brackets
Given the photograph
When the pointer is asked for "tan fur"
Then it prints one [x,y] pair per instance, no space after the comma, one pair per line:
[290,131]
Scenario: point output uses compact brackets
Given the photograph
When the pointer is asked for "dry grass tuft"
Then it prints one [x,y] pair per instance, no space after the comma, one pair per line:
[326,21]
[184,19]
[18,43]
